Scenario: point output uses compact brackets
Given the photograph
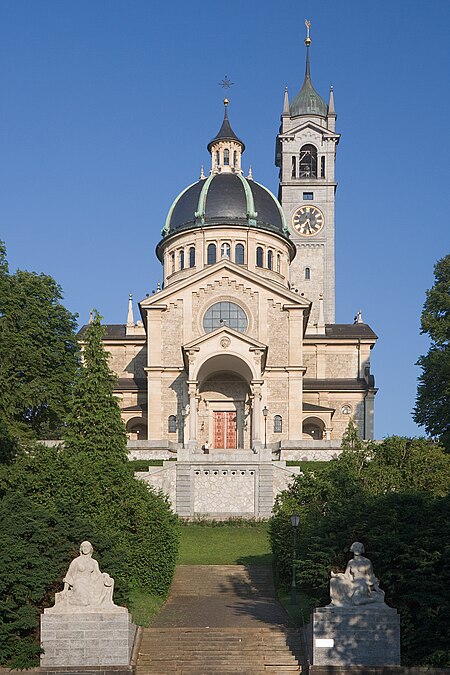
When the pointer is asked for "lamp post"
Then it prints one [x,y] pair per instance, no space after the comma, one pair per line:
[265,412]
[295,520]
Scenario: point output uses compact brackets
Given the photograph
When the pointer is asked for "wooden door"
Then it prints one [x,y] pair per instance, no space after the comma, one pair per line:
[225,433]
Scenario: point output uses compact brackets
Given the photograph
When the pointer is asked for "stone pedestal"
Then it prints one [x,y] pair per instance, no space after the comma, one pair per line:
[87,638]
[355,636]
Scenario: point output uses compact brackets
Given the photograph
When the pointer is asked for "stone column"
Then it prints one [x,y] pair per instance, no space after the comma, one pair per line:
[256,412]
[192,390]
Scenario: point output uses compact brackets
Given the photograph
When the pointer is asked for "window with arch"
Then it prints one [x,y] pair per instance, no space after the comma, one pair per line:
[307,273]
[172,263]
[192,256]
[226,157]
[278,263]
[172,424]
[259,257]
[322,166]
[225,250]
[211,254]
[217,157]
[239,254]
[225,314]
[346,409]
[277,424]
[181,259]
[308,161]
[269,260]
[235,157]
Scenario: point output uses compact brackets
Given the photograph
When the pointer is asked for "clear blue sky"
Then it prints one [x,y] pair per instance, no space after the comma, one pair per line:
[107,106]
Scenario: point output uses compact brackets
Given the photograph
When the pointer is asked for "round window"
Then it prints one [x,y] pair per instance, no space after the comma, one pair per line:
[225,314]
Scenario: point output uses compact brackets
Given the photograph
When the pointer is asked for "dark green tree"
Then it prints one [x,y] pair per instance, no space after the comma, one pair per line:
[432,409]
[94,424]
[38,354]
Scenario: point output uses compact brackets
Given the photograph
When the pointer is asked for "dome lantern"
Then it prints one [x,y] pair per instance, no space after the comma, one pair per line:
[226,148]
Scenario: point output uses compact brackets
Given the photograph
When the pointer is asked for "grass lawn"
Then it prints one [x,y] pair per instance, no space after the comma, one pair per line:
[144,606]
[225,544]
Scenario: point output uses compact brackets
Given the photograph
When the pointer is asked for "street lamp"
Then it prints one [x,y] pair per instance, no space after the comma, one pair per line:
[265,412]
[295,520]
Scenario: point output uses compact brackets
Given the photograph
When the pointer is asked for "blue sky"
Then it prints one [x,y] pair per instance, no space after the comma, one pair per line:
[107,106]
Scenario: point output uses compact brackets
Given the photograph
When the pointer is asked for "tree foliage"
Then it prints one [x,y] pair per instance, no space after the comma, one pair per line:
[392,496]
[94,423]
[38,354]
[433,392]
[85,490]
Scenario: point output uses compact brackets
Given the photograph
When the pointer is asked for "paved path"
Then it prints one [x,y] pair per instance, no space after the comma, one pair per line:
[222,595]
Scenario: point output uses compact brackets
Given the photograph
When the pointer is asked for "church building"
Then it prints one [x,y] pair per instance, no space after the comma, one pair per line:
[237,364]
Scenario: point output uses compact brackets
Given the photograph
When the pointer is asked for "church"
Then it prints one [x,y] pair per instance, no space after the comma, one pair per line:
[236,364]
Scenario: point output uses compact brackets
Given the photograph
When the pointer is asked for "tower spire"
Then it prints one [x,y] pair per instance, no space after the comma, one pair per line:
[307,43]
[286,102]
[226,148]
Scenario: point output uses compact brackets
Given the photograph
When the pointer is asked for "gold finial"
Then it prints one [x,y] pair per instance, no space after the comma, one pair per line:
[307,39]
[225,101]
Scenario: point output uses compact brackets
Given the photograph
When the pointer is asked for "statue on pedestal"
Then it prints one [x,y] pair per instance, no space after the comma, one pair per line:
[85,587]
[358,585]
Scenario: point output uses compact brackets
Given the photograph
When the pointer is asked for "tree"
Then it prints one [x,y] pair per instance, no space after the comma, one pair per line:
[94,423]
[38,354]
[432,408]
[394,497]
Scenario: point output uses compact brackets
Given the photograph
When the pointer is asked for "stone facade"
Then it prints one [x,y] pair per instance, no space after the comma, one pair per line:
[239,349]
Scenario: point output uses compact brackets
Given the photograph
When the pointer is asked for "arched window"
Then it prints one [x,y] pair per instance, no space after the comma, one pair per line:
[308,162]
[226,157]
[172,424]
[172,263]
[277,424]
[225,314]
[181,259]
[192,256]
[278,263]
[235,158]
[322,166]
[217,157]
[211,255]
[294,167]
[269,260]
[307,273]
[225,250]
[239,254]
[259,257]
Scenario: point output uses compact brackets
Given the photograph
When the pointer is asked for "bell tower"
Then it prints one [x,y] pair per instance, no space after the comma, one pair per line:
[305,155]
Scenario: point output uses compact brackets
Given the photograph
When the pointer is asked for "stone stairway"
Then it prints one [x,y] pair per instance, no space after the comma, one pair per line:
[220,619]
[202,651]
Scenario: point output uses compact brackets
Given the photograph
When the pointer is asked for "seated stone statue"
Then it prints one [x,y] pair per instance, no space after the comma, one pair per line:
[357,585]
[85,587]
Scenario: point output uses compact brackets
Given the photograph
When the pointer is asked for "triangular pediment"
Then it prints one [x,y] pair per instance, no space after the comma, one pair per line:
[309,124]
[225,338]
[239,273]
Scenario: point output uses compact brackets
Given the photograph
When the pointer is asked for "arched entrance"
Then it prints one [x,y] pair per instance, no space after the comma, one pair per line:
[224,411]
[225,394]
[137,429]
[313,427]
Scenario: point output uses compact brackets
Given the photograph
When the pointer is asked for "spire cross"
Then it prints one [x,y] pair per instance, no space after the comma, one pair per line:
[226,83]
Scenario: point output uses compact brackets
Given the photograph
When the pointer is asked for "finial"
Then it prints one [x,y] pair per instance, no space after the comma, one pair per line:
[226,83]
[130,317]
[91,316]
[307,38]
[358,318]
[250,173]
[202,173]
[158,287]
[286,102]
[225,102]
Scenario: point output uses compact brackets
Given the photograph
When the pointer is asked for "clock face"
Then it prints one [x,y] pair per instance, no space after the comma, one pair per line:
[307,220]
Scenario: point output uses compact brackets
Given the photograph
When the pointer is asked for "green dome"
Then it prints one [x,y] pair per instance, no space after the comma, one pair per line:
[308,101]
